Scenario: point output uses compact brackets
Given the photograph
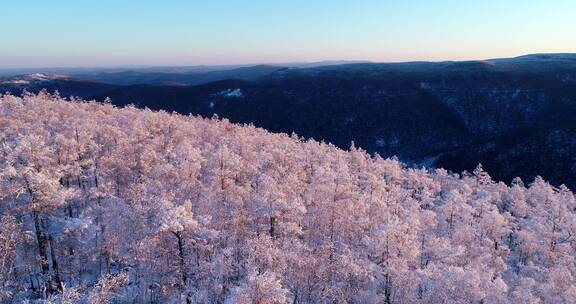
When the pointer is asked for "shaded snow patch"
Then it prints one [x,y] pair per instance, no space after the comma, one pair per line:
[230,93]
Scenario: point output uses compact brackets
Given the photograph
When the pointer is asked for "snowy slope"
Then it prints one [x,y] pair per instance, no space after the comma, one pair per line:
[100,204]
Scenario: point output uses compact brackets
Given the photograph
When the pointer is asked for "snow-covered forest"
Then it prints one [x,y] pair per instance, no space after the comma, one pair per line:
[106,205]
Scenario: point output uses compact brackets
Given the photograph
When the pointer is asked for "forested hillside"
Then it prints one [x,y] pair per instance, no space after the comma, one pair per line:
[514,115]
[106,205]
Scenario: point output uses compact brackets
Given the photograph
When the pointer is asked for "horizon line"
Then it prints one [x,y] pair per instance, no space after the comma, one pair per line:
[278,63]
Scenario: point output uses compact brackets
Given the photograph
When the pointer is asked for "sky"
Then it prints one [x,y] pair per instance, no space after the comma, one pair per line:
[105,33]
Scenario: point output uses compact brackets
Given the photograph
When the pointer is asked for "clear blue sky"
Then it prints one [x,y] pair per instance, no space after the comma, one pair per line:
[123,32]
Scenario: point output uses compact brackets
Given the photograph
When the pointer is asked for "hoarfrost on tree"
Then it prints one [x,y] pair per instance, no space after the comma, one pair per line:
[106,205]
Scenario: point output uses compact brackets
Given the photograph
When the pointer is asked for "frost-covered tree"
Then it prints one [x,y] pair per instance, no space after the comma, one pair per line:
[100,204]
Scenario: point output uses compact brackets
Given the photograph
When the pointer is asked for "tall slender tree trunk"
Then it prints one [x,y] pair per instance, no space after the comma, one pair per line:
[182,265]
[387,290]
[41,239]
[55,267]
[272,220]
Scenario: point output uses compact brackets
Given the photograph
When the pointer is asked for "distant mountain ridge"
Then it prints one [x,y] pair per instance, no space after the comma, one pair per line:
[516,116]
[8,72]
[132,77]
